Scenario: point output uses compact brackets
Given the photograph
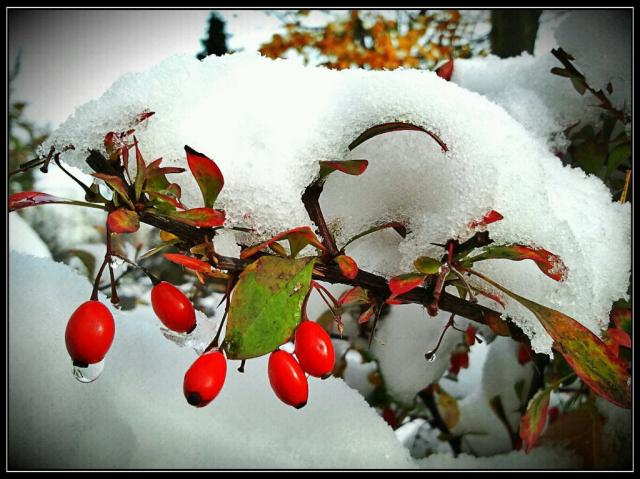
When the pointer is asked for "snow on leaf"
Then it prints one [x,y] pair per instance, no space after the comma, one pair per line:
[117,185]
[348,266]
[194,264]
[590,358]
[490,217]
[24,199]
[353,296]
[207,175]
[446,70]
[394,126]
[266,305]
[427,265]
[549,263]
[350,167]
[396,225]
[533,421]
[405,282]
[203,217]
[123,220]
[298,239]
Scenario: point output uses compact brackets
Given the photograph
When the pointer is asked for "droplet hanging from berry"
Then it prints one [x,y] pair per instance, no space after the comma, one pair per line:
[89,373]
[89,333]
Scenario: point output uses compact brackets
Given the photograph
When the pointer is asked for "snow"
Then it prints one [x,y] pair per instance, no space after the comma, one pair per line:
[135,416]
[617,434]
[402,339]
[23,239]
[538,458]
[268,123]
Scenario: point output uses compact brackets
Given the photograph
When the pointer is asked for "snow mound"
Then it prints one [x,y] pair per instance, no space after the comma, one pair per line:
[135,415]
[267,124]
[23,239]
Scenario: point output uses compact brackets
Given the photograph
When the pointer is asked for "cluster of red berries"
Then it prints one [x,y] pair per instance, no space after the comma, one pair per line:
[91,329]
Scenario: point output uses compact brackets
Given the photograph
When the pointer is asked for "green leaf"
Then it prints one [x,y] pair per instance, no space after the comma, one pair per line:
[207,175]
[266,305]
[393,126]
[396,225]
[533,421]
[591,155]
[591,359]
[427,265]
[618,156]
[123,220]
[203,217]
[117,185]
[579,84]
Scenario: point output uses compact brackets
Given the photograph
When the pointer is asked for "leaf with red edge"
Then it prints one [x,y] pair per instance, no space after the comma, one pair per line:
[590,358]
[394,126]
[194,264]
[298,239]
[166,198]
[123,220]
[202,217]
[350,167]
[549,263]
[490,217]
[207,175]
[354,296]
[400,228]
[24,199]
[533,421]
[140,117]
[152,173]
[366,316]
[405,282]
[348,266]
[117,185]
[446,70]
[141,170]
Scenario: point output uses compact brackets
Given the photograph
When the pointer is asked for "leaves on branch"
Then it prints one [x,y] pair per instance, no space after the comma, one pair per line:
[490,217]
[207,175]
[194,264]
[405,282]
[24,199]
[348,266]
[123,220]
[350,167]
[203,217]
[445,71]
[117,185]
[533,421]
[298,239]
[427,265]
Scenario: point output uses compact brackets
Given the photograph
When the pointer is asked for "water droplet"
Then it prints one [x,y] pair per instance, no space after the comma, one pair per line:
[432,358]
[89,373]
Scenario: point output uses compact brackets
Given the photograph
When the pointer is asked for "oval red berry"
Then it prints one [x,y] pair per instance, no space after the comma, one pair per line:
[314,349]
[203,381]
[287,379]
[89,333]
[173,308]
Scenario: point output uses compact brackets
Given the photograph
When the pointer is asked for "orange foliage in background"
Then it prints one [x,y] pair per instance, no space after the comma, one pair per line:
[366,39]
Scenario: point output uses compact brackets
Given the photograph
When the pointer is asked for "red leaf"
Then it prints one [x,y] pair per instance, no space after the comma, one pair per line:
[298,239]
[496,323]
[166,198]
[394,126]
[123,221]
[203,217]
[25,199]
[445,71]
[533,422]
[188,262]
[525,354]
[470,335]
[348,267]
[140,117]
[490,217]
[116,185]
[207,175]
[549,263]
[405,282]
[354,295]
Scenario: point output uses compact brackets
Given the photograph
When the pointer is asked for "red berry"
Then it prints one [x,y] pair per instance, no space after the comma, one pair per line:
[314,349]
[173,308]
[287,379]
[205,378]
[89,333]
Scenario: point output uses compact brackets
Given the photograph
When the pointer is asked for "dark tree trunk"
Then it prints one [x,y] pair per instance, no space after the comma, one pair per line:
[513,31]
